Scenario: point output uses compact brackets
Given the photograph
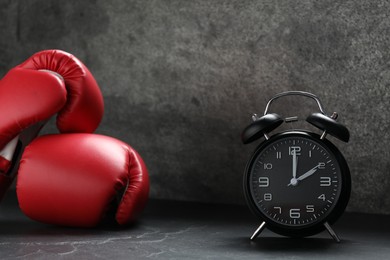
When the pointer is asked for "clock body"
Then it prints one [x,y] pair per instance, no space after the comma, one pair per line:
[295,182]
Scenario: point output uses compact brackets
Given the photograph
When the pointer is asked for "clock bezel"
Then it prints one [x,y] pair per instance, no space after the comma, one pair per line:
[311,228]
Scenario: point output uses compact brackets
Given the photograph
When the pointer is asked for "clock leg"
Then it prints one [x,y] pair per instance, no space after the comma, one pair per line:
[258,231]
[331,232]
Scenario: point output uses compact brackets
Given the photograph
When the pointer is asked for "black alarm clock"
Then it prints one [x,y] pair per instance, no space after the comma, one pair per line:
[297,182]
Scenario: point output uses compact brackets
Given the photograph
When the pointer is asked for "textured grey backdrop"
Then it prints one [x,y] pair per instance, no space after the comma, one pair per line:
[181,78]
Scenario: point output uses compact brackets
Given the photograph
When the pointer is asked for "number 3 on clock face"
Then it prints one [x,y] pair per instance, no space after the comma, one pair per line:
[295,183]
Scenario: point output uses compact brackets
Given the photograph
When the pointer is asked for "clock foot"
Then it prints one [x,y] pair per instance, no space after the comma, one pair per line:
[331,232]
[258,231]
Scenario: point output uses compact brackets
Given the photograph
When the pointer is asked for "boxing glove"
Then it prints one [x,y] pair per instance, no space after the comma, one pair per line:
[80,179]
[48,83]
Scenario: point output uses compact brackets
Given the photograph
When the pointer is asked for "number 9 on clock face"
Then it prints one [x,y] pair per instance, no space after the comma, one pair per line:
[295,182]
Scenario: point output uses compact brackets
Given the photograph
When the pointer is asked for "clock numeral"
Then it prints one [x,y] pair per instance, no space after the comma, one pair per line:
[325,181]
[322,197]
[263,182]
[267,196]
[278,155]
[278,209]
[321,165]
[294,150]
[309,208]
[295,213]
[267,166]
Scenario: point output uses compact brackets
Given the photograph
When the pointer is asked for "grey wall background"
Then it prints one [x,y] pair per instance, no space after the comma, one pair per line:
[181,78]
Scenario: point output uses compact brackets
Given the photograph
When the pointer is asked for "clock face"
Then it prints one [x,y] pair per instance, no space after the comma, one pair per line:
[294,180]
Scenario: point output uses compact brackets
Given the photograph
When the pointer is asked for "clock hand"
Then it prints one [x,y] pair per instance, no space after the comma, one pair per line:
[294,181]
[308,173]
[294,165]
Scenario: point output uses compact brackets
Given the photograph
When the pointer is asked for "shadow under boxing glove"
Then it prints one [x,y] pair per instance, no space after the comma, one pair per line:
[77,179]
[49,82]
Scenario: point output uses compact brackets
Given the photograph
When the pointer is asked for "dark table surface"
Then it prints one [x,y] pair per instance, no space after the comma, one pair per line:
[185,230]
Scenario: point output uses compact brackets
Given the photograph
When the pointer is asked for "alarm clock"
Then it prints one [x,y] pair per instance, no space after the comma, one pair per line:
[296,182]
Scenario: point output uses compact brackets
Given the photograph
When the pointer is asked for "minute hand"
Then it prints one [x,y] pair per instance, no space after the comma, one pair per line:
[308,173]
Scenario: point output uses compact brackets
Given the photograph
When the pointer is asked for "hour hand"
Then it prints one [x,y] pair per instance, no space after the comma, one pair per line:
[294,181]
[308,173]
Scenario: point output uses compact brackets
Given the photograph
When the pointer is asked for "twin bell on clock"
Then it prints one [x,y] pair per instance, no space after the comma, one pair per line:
[296,182]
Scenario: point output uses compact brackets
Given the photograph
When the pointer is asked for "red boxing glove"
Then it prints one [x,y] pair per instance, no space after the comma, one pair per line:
[84,107]
[48,83]
[74,180]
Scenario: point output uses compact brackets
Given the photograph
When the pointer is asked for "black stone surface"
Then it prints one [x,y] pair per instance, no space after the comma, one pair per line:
[185,230]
